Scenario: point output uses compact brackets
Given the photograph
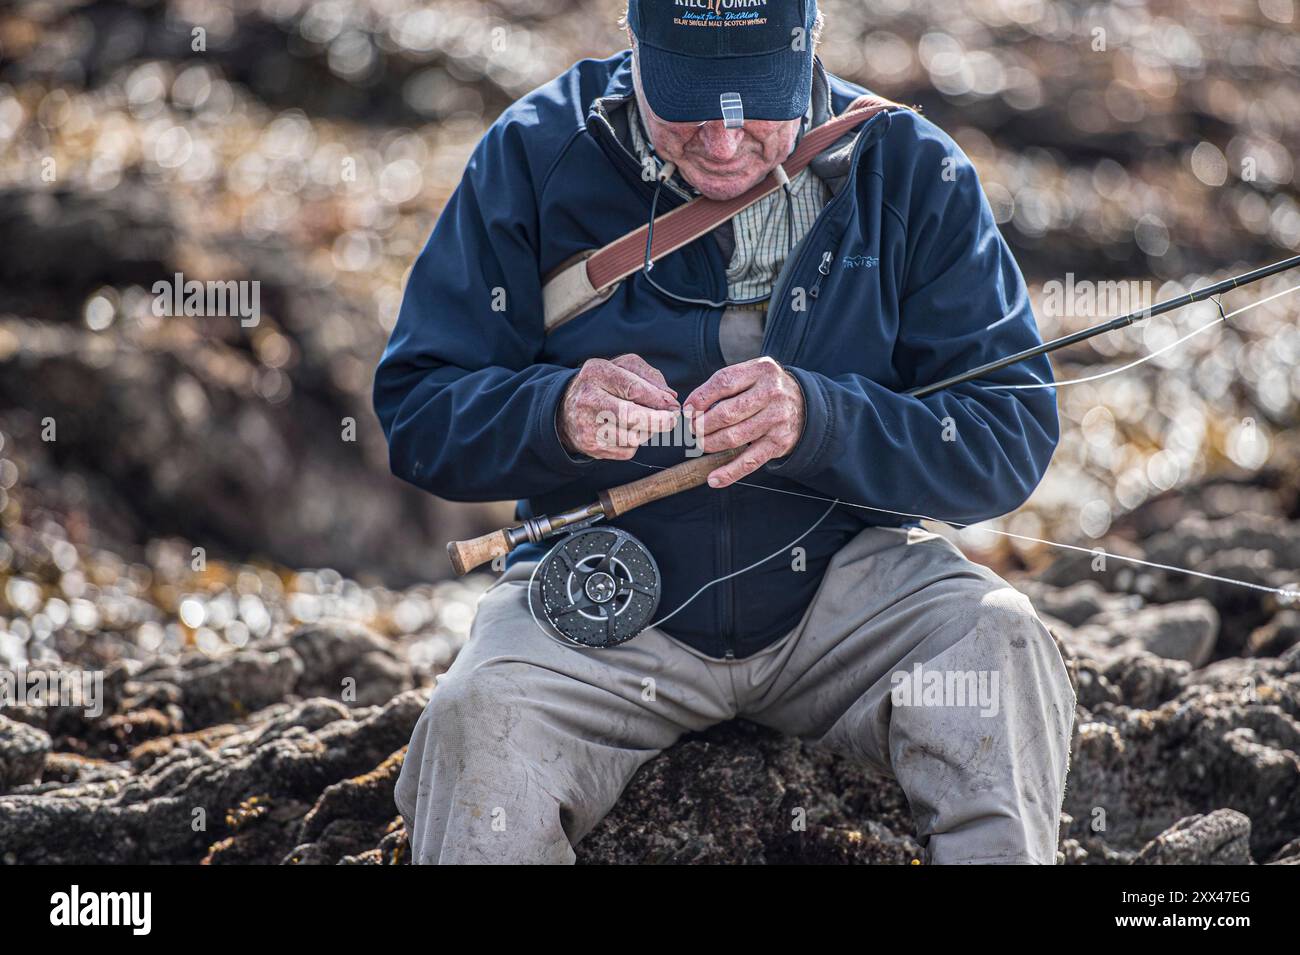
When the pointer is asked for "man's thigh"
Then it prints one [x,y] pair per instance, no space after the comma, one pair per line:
[894,602]
[935,670]
[525,719]
[649,685]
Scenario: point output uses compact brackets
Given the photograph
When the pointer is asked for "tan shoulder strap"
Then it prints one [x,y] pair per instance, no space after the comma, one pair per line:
[591,277]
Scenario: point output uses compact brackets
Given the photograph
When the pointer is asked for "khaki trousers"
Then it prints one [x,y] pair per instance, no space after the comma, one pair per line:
[910,658]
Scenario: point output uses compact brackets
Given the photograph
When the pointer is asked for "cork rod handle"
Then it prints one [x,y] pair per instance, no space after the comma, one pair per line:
[466,555]
[679,477]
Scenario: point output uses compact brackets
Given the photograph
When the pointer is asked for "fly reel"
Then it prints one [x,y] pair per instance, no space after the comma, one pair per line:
[599,587]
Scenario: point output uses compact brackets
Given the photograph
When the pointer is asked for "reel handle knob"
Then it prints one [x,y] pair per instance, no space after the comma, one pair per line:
[466,555]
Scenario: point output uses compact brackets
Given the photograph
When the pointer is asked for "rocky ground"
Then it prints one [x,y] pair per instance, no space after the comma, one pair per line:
[201,511]
[250,714]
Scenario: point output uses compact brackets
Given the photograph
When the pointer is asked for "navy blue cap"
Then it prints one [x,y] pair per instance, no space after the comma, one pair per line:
[691,52]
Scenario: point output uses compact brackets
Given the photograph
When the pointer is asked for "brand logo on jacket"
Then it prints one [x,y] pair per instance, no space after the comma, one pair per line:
[860,261]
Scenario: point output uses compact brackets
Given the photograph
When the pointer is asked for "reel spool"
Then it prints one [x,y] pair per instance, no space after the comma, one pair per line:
[599,587]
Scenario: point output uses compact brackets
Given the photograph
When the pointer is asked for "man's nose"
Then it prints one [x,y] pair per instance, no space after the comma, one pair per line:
[717,142]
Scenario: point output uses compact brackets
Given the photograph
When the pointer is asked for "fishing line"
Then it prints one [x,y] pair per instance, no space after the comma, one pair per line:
[717,580]
[1286,593]
[1146,358]
[776,553]
[1281,591]
[599,586]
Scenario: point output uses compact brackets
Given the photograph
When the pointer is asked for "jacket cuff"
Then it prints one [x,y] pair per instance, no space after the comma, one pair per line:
[818,428]
[547,429]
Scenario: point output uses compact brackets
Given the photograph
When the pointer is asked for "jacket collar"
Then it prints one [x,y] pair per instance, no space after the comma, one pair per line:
[618,91]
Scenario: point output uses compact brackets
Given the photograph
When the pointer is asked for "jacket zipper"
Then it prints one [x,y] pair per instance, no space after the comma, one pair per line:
[726,614]
[777,303]
[823,270]
[726,606]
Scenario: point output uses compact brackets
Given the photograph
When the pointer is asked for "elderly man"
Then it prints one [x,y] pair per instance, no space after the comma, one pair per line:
[793,330]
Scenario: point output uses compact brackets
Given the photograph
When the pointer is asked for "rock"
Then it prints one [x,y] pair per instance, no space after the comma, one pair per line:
[1253,547]
[216,691]
[258,446]
[1275,637]
[270,771]
[1196,538]
[262,827]
[62,769]
[1181,631]
[23,750]
[1076,604]
[1214,497]
[1138,679]
[1146,680]
[393,849]
[1289,854]
[1094,688]
[340,839]
[739,794]
[1250,547]
[1144,770]
[350,816]
[1220,838]
[333,652]
[213,461]
[67,242]
[1185,631]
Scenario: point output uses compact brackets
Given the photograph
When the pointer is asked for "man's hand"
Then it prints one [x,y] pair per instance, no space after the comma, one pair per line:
[757,403]
[610,408]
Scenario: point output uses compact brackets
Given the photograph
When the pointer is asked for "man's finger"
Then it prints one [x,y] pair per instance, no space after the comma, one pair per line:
[640,422]
[745,464]
[724,383]
[625,385]
[623,424]
[751,429]
[730,411]
[642,368]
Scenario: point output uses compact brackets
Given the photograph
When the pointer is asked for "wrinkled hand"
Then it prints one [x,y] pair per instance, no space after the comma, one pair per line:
[610,408]
[757,403]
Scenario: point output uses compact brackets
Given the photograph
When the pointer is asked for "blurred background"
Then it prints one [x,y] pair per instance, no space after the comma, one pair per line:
[203,483]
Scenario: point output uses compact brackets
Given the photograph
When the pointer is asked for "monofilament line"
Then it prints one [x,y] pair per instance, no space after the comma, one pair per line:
[1145,358]
[1287,594]
[1281,591]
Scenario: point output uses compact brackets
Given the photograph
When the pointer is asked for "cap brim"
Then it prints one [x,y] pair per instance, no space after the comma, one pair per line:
[687,89]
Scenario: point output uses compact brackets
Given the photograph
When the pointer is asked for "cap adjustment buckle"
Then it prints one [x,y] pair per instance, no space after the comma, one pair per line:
[733,110]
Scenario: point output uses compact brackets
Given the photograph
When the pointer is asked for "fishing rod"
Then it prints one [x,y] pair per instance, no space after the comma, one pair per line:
[601,586]
[1169,305]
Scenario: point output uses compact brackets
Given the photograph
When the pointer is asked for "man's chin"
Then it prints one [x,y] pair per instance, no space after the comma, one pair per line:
[720,186]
